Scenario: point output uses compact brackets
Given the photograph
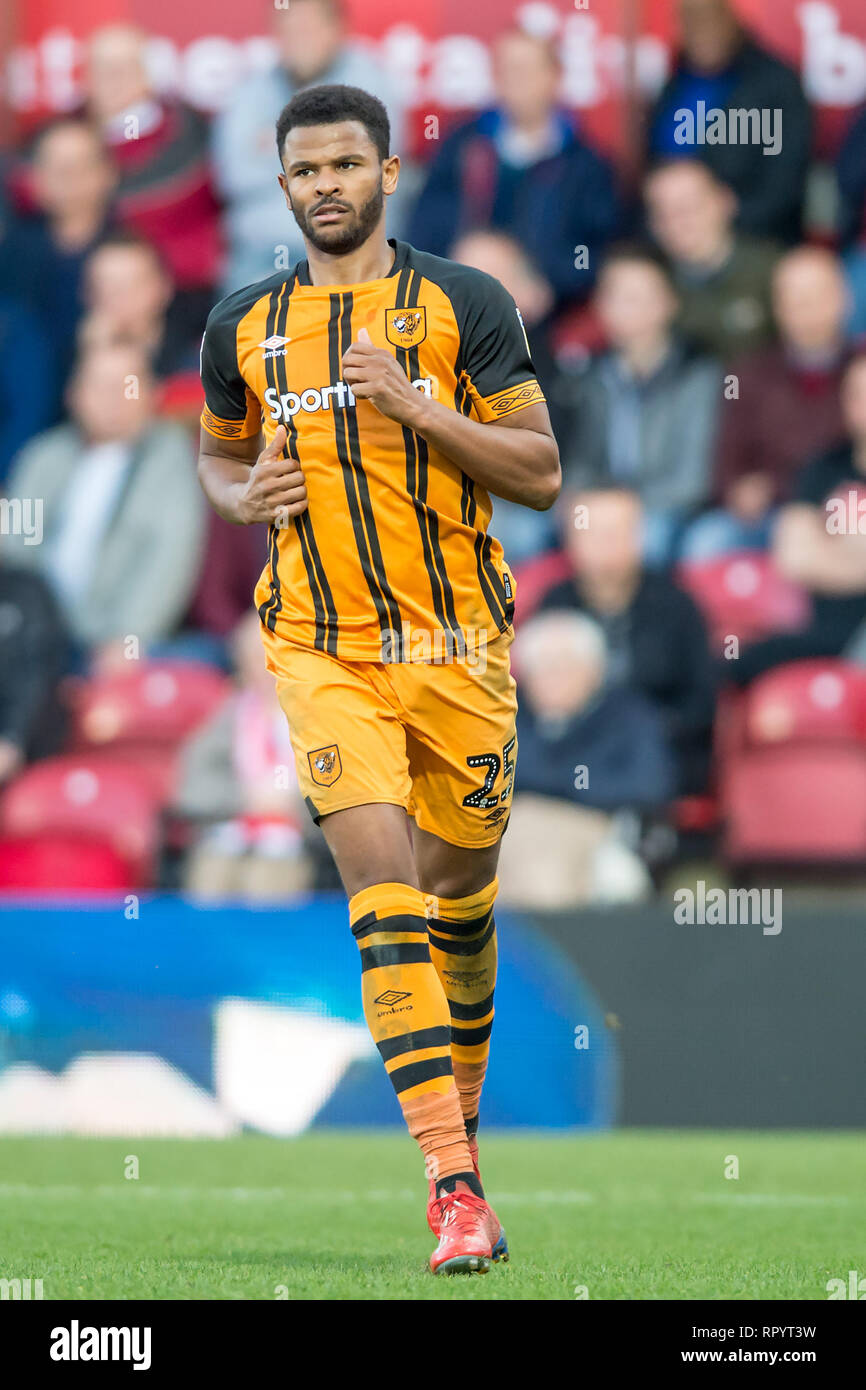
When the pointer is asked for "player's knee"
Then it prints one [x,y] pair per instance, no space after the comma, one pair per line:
[361,878]
[460,881]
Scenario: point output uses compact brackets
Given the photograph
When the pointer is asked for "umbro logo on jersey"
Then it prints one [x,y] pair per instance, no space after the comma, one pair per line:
[275,346]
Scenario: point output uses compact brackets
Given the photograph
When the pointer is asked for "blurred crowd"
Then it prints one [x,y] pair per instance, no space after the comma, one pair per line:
[695,337]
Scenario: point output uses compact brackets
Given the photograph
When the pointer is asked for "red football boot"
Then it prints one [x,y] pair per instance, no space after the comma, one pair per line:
[467,1229]
[500,1244]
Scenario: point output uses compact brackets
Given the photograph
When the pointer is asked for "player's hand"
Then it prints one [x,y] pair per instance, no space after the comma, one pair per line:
[275,489]
[374,375]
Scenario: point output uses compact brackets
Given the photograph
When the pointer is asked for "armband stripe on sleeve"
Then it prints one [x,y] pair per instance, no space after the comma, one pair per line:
[513,398]
[229,429]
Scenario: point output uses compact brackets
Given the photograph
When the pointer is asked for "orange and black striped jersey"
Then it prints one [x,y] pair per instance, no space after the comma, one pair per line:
[392,554]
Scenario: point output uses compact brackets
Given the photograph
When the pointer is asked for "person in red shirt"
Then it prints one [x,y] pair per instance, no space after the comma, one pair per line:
[165,191]
[787,409]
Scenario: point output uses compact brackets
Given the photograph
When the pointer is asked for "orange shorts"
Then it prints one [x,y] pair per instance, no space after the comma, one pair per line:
[438,739]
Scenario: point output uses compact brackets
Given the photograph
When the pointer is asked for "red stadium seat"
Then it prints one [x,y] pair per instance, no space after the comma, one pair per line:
[695,814]
[801,804]
[152,765]
[743,595]
[154,707]
[114,804]
[816,700]
[729,725]
[792,767]
[64,864]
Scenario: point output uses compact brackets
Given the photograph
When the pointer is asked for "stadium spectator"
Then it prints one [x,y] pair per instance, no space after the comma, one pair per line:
[787,409]
[42,256]
[129,298]
[569,714]
[523,532]
[27,380]
[161,148]
[237,784]
[656,639]
[233,559]
[33,649]
[122,512]
[721,65]
[722,276]
[851,183]
[820,543]
[646,410]
[587,752]
[522,168]
[314,47]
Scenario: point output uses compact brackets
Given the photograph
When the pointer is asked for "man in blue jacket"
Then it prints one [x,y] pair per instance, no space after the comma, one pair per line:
[521,168]
[720,66]
[582,738]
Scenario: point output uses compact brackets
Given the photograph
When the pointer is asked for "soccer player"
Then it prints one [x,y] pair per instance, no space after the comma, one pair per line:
[395,391]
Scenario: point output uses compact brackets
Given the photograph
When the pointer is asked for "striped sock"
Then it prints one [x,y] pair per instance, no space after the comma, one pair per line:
[408,1017]
[463,949]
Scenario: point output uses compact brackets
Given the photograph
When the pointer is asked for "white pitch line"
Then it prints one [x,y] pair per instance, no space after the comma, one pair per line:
[330,1195]
[772,1199]
[129,1188]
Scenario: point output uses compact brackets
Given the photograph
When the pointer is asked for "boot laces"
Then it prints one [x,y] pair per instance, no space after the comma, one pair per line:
[458,1209]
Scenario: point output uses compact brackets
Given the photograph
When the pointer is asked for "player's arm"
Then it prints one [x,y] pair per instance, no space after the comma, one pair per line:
[516,458]
[507,444]
[243,482]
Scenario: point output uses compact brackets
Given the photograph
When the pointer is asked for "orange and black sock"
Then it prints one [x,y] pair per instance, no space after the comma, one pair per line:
[408,1016]
[462,936]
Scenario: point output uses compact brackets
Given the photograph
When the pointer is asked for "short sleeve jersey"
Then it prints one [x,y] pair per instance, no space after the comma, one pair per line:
[392,557]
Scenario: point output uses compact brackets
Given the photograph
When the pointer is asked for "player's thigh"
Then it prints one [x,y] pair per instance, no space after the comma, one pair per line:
[371,844]
[346,732]
[462,745]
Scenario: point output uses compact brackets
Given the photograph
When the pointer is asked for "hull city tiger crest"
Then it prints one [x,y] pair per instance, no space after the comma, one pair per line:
[405,328]
[325,765]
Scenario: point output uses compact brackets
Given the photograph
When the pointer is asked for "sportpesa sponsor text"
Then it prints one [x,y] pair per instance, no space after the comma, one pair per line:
[312,398]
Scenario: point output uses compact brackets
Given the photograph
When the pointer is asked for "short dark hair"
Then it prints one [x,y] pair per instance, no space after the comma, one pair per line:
[70,121]
[125,239]
[325,105]
[664,163]
[637,252]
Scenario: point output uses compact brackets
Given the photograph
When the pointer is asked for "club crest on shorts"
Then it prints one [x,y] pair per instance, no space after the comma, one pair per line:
[405,328]
[325,765]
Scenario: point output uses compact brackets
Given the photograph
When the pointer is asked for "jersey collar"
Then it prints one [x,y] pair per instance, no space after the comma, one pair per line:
[301,272]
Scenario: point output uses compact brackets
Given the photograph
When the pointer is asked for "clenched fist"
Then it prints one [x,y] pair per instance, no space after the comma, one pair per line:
[275,489]
[374,375]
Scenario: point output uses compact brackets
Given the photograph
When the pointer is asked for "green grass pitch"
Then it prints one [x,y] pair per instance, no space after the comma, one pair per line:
[340,1215]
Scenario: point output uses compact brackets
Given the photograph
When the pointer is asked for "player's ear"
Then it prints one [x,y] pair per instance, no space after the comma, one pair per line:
[284,185]
[390,174]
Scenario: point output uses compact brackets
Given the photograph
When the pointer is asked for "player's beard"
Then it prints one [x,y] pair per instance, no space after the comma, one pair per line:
[349,238]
